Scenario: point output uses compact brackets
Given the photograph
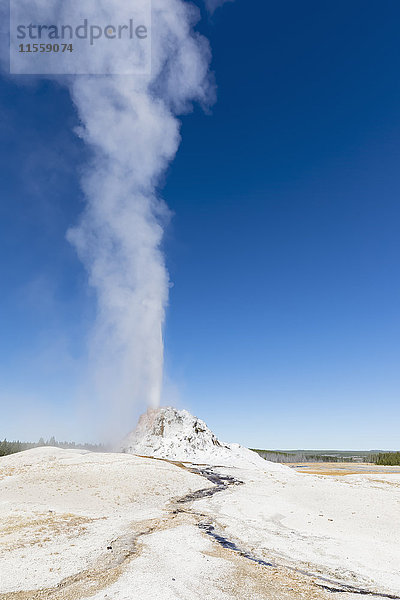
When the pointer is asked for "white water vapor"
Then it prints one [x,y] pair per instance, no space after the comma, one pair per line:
[130,123]
[212,5]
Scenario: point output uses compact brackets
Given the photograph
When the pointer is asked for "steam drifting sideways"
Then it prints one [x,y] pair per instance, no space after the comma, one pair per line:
[130,124]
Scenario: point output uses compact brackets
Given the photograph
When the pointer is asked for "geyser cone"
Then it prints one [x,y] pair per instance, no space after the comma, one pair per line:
[177,435]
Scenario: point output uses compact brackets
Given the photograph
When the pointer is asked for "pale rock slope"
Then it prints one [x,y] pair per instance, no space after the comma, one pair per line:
[61,511]
[76,525]
[177,435]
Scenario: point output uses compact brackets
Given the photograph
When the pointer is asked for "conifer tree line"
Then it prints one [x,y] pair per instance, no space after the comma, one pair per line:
[7,447]
[390,459]
[378,458]
[381,458]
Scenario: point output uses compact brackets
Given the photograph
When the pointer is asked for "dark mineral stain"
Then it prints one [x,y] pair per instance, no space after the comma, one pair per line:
[222,483]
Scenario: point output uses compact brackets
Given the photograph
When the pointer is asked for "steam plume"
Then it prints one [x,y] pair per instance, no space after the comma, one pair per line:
[212,5]
[130,123]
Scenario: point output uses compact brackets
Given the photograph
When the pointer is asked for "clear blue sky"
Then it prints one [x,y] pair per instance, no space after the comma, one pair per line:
[284,319]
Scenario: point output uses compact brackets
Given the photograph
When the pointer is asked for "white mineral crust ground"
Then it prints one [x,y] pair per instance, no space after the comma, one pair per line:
[76,524]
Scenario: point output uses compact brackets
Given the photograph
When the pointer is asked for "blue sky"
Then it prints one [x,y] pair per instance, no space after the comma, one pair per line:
[283,324]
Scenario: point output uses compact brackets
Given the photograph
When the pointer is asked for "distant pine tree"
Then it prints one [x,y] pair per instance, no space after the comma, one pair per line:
[7,447]
[390,459]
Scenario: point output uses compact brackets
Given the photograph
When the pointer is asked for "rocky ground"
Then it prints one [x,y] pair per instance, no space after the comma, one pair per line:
[80,525]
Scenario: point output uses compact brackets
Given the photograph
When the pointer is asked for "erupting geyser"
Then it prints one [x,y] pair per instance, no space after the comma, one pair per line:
[130,125]
[177,435]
